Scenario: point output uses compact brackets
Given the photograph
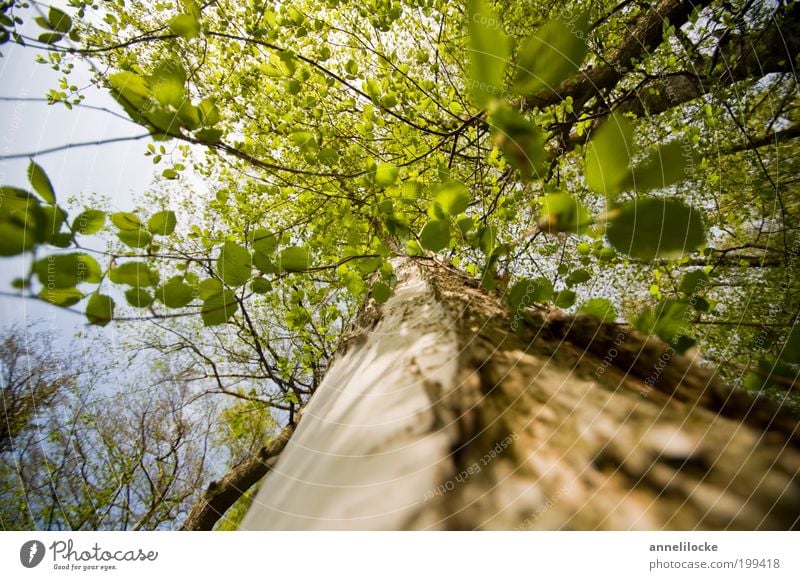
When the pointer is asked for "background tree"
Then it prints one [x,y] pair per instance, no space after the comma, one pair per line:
[625,162]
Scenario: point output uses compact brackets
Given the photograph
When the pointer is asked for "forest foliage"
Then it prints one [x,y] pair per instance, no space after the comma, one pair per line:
[627,161]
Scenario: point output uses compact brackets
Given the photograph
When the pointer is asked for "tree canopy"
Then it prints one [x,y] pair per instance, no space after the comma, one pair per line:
[635,162]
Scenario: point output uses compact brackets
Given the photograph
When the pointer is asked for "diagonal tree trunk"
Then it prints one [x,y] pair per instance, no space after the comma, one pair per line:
[445,411]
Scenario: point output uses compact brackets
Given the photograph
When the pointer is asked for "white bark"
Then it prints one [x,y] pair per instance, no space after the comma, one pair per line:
[367,448]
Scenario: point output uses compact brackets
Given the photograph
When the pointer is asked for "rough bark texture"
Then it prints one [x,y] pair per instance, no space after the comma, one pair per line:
[441,416]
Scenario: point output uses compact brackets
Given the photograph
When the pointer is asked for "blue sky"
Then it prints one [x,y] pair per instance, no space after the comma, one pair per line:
[118,171]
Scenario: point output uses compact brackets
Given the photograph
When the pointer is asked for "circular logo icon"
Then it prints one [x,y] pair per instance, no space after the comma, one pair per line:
[31,553]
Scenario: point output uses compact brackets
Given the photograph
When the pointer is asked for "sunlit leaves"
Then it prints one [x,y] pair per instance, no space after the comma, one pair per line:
[452,197]
[100,309]
[130,87]
[552,54]
[135,238]
[234,264]
[40,182]
[386,174]
[167,83]
[490,48]
[126,221]
[186,24]
[653,227]
[89,222]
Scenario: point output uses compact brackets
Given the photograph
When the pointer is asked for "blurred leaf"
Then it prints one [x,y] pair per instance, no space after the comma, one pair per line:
[694,281]
[100,309]
[40,182]
[386,174]
[562,212]
[668,320]
[521,142]
[185,25]
[525,293]
[64,297]
[668,164]
[608,155]
[67,270]
[490,49]
[381,292]
[452,196]
[135,238]
[565,298]
[260,286]
[58,20]
[208,288]
[652,227]
[790,352]
[263,241]
[552,54]
[599,308]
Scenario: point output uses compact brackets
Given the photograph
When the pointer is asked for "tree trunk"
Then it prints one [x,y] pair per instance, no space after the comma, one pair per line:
[445,411]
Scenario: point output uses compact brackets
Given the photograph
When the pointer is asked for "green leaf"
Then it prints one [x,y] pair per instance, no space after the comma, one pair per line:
[15,239]
[578,277]
[263,241]
[40,182]
[608,155]
[381,292]
[565,298]
[562,212]
[694,281]
[209,135]
[490,49]
[135,238]
[50,37]
[209,287]
[790,352]
[294,259]
[668,164]
[209,113]
[89,222]
[261,286]
[67,270]
[168,83]
[132,88]
[234,264]
[100,309]
[134,274]
[386,174]
[552,54]
[435,235]
[175,293]
[64,297]
[651,227]
[525,293]
[58,20]
[263,263]
[126,221]
[138,297]
[162,223]
[185,25]
[452,196]
[219,308]
[521,142]
[668,320]
[600,308]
